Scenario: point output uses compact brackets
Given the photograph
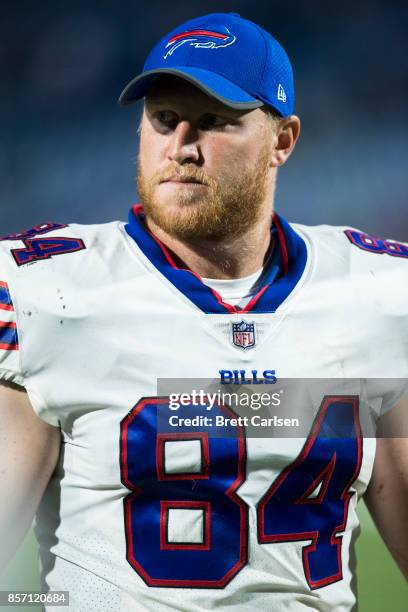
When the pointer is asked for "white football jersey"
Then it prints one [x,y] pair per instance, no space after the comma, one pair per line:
[150,507]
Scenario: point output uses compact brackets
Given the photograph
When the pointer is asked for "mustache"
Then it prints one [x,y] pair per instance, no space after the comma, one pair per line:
[188,173]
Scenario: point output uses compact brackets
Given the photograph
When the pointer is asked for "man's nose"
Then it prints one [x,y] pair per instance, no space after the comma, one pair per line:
[183,147]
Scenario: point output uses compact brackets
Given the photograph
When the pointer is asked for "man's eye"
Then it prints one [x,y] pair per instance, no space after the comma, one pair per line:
[166,117]
[213,121]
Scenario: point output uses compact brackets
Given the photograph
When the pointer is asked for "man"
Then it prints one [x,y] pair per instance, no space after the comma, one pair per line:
[144,505]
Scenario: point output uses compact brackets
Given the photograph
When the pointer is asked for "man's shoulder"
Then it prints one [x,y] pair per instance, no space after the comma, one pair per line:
[376,268]
[359,244]
[46,241]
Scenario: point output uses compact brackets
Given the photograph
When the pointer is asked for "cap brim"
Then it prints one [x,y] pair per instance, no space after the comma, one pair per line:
[210,83]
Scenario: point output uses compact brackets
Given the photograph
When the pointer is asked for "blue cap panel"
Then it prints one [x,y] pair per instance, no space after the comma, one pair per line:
[218,50]
[214,43]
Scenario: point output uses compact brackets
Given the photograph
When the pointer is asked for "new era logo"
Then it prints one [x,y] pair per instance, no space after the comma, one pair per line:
[281,93]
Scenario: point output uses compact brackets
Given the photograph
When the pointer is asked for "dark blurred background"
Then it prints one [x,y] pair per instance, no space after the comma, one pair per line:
[68,150]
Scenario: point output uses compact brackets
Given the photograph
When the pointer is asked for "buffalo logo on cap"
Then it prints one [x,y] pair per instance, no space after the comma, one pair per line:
[201,39]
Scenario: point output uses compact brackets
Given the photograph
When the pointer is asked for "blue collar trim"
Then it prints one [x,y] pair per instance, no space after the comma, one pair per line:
[278,280]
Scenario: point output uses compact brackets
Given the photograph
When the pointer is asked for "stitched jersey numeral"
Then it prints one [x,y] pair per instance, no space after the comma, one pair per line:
[185,524]
[310,498]
[43,248]
[206,492]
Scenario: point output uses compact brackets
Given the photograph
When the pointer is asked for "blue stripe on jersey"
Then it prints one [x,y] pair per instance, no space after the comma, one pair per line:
[285,283]
[8,336]
[275,285]
[5,299]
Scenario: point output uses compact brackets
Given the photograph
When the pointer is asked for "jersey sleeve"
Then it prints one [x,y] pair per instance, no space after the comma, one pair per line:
[397,392]
[42,315]
[15,338]
[380,277]
[390,391]
[10,369]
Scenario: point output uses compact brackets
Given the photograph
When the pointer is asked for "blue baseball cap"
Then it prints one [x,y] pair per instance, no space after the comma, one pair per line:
[228,57]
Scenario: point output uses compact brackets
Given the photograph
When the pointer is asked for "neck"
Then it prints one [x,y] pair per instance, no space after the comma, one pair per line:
[226,259]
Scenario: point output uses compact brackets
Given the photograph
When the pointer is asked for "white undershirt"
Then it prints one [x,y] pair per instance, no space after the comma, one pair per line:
[237,291]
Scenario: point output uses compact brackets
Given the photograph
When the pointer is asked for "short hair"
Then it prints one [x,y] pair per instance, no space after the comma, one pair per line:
[271,113]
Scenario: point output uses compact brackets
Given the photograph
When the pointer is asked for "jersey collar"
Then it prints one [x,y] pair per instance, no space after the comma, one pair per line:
[278,280]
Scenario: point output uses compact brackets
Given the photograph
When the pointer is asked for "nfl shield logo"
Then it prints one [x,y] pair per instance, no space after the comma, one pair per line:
[243,334]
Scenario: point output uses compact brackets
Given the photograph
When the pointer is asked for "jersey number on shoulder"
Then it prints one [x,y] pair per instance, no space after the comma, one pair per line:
[374,244]
[185,524]
[43,248]
[36,249]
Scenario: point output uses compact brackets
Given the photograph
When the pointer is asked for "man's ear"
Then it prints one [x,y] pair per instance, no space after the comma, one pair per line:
[288,131]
